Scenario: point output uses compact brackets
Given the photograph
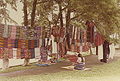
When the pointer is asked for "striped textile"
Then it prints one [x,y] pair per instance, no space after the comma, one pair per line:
[1,42]
[11,43]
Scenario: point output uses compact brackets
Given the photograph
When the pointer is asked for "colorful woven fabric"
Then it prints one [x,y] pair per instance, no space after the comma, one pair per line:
[5,42]
[32,53]
[16,43]
[22,54]
[10,53]
[18,53]
[1,53]
[43,54]
[27,53]
[36,43]
[99,39]
[31,44]
[1,42]
[11,43]
[19,43]
[13,32]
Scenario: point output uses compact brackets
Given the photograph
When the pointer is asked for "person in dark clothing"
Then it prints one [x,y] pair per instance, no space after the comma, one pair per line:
[106,51]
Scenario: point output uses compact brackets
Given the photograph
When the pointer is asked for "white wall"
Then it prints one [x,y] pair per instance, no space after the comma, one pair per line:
[14,62]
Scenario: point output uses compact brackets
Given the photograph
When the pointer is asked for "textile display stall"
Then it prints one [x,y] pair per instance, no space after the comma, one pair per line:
[23,42]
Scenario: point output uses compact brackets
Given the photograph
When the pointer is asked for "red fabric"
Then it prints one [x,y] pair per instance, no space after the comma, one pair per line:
[27,53]
[10,43]
[5,42]
[1,53]
[55,31]
[19,43]
[10,53]
[18,53]
[32,43]
[72,58]
[1,42]
[85,47]
[62,32]
[99,39]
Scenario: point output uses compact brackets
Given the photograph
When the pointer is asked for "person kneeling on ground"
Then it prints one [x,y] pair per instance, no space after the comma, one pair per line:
[80,64]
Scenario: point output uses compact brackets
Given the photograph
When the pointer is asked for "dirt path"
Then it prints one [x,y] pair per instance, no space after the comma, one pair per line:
[90,61]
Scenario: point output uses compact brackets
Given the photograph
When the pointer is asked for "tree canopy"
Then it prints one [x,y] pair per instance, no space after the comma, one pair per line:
[105,13]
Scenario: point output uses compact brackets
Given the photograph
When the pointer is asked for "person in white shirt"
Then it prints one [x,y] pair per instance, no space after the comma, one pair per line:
[80,64]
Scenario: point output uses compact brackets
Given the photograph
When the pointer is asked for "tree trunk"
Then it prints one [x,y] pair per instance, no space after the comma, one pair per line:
[33,13]
[96,50]
[26,61]
[91,51]
[67,27]
[68,20]
[25,13]
[61,15]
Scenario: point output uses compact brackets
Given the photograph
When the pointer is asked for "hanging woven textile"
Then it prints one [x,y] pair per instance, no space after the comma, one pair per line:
[1,42]
[13,32]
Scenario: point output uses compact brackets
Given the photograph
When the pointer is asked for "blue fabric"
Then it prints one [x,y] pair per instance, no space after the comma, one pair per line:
[79,66]
[42,64]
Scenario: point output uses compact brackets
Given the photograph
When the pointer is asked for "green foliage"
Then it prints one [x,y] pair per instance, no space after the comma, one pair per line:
[4,12]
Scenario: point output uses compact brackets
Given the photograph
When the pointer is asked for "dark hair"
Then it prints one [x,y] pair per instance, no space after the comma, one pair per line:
[80,55]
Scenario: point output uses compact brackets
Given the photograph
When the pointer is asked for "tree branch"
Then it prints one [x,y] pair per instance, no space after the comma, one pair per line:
[43,1]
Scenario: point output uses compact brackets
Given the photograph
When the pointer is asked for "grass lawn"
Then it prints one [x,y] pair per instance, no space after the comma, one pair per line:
[106,72]
[18,68]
